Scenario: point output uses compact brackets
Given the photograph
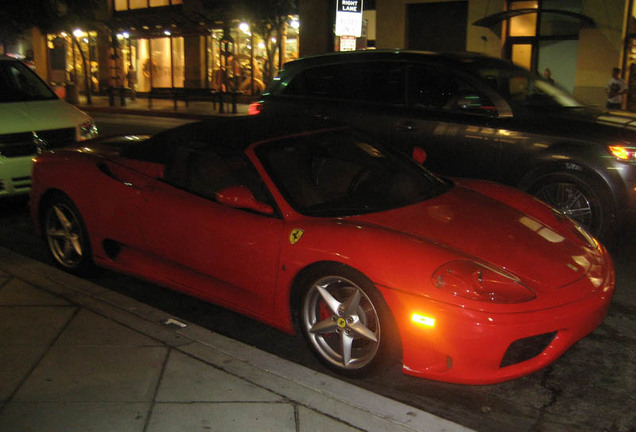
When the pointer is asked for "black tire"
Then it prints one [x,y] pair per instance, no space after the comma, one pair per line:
[66,237]
[581,197]
[346,322]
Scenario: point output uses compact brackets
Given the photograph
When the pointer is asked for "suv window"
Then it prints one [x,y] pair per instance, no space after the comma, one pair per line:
[381,82]
[432,88]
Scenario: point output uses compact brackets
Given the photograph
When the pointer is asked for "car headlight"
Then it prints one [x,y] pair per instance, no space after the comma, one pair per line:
[623,152]
[477,281]
[87,130]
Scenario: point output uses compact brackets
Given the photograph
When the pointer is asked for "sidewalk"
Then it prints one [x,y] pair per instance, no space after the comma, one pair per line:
[160,107]
[77,357]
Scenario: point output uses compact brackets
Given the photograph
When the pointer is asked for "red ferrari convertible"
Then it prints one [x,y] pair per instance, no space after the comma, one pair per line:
[313,227]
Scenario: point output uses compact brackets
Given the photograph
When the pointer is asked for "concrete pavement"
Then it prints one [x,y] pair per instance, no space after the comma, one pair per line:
[75,356]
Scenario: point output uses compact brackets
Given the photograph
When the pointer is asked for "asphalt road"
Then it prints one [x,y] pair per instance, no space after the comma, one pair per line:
[591,388]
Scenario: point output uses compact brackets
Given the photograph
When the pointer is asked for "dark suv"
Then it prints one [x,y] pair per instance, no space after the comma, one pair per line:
[475,116]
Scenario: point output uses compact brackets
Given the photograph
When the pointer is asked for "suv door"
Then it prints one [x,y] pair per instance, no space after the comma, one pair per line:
[453,119]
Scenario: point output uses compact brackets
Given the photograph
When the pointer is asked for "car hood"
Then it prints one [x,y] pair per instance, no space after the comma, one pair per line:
[488,230]
[39,115]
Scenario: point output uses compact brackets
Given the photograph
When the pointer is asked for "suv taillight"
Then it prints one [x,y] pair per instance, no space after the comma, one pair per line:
[255,108]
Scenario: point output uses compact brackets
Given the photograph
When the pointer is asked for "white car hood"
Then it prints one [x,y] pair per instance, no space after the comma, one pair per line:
[39,115]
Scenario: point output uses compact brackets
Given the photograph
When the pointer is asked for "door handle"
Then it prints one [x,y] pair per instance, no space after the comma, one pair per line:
[404,127]
[322,116]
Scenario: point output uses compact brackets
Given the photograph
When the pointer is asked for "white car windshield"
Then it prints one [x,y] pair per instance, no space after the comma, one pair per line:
[18,83]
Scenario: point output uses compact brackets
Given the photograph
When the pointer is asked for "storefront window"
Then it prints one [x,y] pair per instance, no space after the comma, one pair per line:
[522,55]
[213,60]
[138,4]
[524,25]
[161,66]
[292,42]
[178,62]
[67,65]
[121,5]
[144,65]
[161,62]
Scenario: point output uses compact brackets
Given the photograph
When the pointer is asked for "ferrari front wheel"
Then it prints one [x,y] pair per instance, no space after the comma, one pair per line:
[346,322]
[66,235]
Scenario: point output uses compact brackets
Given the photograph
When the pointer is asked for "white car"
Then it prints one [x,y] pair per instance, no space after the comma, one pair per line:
[32,119]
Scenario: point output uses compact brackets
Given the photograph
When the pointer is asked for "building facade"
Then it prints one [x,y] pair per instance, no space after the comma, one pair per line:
[145,44]
[579,41]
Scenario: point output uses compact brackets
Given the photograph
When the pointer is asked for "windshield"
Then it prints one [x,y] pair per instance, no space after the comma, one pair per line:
[519,86]
[342,174]
[18,83]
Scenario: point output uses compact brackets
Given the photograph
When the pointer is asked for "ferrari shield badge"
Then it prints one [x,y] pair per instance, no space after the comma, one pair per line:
[295,235]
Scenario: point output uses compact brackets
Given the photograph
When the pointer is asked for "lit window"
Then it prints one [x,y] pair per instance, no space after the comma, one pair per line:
[522,55]
[121,5]
[524,25]
[138,4]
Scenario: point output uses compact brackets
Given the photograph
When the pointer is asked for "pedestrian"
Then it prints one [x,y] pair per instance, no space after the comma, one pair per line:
[547,75]
[131,76]
[615,89]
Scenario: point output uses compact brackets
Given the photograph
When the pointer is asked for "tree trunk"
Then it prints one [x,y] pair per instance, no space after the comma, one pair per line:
[87,83]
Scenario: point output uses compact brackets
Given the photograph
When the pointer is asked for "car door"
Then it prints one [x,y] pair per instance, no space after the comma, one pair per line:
[224,254]
[121,195]
[456,122]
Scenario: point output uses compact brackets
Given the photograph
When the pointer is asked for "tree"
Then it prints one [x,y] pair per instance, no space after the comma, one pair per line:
[16,18]
[49,16]
[268,19]
[67,15]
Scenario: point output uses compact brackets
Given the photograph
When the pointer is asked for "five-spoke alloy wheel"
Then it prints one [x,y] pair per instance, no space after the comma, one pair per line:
[66,235]
[346,323]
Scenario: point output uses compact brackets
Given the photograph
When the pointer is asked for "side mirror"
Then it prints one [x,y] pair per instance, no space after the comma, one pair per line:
[419,155]
[242,197]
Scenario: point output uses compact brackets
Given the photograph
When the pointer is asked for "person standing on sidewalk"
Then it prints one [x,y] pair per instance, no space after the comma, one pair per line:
[547,75]
[131,76]
[615,89]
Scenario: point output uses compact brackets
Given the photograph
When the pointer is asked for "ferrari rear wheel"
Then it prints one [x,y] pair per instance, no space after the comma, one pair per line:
[66,235]
[346,322]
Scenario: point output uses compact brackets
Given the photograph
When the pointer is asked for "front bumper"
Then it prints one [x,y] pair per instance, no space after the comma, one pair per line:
[15,175]
[477,347]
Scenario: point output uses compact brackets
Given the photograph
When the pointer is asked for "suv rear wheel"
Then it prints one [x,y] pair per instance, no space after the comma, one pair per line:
[579,196]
